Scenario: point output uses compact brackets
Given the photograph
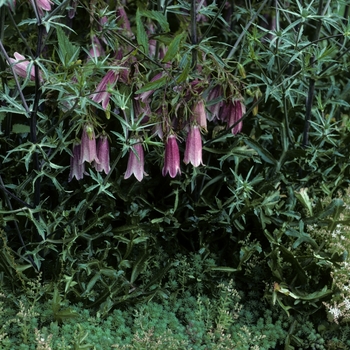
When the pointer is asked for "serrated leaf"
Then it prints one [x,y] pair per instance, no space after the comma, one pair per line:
[20,129]
[67,52]
[173,48]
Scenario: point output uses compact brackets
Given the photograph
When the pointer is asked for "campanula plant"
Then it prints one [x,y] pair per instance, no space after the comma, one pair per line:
[156,150]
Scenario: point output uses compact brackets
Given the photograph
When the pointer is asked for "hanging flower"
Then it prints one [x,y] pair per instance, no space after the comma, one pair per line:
[214,102]
[21,65]
[193,151]
[103,155]
[136,162]
[102,94]
[96,49]
[200,115]
[43,5]
[77,169]
[231,113]
[172,157]
[88,145]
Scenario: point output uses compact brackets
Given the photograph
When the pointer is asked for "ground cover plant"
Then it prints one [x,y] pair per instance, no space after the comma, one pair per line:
[174,174]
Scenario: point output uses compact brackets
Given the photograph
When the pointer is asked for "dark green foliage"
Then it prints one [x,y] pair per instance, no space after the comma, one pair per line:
[249,249]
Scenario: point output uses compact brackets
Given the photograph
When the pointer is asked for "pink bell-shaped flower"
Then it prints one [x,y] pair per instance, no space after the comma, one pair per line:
[193,151]
[200,115]
[136,162]
[20,66]
[102,94]
[103,155]
[77,169]
[233,111]
[172,157]
[88,145]
[238,109]
[214,103]
[43,5]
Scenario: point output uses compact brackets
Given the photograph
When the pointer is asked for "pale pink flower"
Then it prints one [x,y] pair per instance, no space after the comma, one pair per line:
[123,20]
[88,145]
[136,162]
[232,112]
[20,66]
[193,151]
[102,93]
[103,155]
[200,115]
[171,157]
[214,102]
[77,169]
[96,49]
[43,5]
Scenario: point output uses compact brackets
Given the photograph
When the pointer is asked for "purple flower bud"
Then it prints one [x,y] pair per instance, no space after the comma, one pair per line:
[77,168]
[136,162]
[103,155]
[193,151]
[102,94]
[172,157]
[88,145]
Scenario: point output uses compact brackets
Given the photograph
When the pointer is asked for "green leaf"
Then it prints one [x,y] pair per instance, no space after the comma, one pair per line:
[224,269]
[173,48]
[67,52]
[20,129]
[156,16]
[139,266]
[185,70]
[141,35]
[153,85]
[66,314]
[263,153]
[304,199]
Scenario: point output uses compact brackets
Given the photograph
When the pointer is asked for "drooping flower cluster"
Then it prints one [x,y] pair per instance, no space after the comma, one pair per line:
[88,151]
[194,103]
